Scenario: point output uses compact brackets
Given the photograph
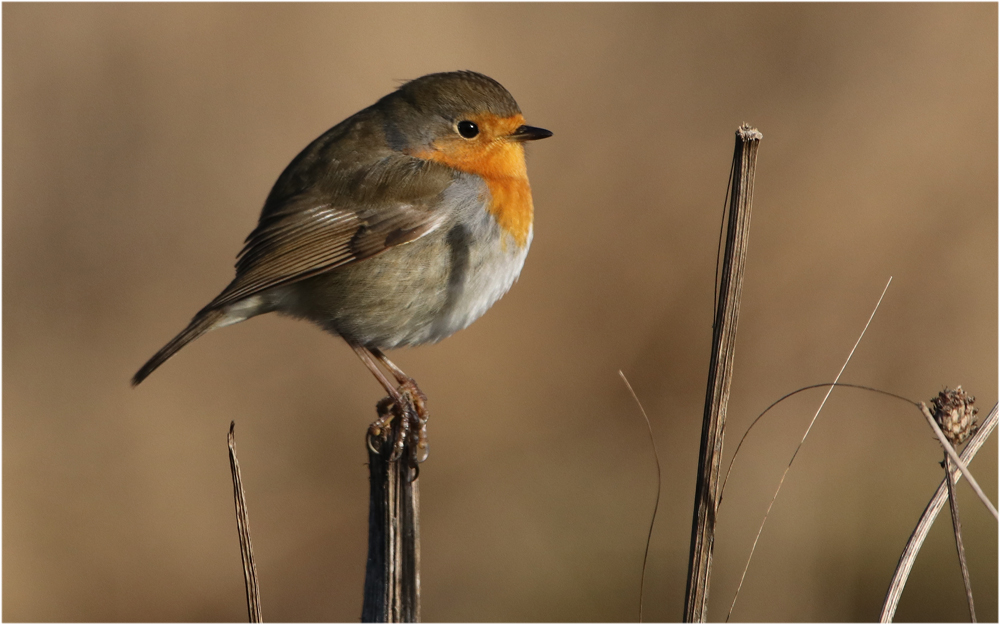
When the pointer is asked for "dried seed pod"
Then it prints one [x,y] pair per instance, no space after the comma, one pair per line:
[955,412]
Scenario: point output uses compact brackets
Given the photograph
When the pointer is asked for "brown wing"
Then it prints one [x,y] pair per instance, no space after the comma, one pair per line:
[342,219]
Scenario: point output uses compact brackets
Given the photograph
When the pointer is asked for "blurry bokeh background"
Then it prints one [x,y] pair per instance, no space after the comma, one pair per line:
[139,142]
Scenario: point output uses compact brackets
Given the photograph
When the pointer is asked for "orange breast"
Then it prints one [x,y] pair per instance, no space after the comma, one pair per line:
[512,207]
[500,163]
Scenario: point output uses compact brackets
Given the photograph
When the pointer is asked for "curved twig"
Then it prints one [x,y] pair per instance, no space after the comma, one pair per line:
[656,506]
[722,491]
[916,541]
[948,449]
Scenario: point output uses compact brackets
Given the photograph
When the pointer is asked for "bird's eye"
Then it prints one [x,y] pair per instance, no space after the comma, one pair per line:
[468,129]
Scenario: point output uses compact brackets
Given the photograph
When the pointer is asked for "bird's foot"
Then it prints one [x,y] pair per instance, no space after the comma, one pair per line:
[410,406]
[416,398]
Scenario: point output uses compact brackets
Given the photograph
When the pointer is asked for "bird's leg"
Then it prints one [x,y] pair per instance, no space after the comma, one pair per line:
[366,357]
[408,388]
[398,402]
[396,372]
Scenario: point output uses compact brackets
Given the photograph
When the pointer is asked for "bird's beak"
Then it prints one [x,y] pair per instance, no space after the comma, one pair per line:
[529,133]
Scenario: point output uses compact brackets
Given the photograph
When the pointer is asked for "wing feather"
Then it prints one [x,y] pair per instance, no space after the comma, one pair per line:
[314,231]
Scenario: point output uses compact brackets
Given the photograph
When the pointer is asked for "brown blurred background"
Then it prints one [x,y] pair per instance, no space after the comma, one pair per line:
[141,140]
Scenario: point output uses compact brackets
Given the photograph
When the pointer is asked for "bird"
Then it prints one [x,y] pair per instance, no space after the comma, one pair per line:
[397,227]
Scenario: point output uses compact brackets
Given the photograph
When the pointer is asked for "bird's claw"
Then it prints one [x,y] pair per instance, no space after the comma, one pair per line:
[412,428]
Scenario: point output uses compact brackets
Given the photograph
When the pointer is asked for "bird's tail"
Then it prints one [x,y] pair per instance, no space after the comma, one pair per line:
[202,323]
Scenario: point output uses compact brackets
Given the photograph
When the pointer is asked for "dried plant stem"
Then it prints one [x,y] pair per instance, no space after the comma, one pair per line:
[804,436]
[720,374]
[950,451]
[656,505]
[243,527]
[392,574]
[916,541]
[732,461]
[949,468]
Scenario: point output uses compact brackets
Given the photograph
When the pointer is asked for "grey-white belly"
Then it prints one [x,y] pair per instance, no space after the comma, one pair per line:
[419,292]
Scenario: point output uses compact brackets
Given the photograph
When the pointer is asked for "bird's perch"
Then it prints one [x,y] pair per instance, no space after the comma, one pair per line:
[392,575]
[720,374]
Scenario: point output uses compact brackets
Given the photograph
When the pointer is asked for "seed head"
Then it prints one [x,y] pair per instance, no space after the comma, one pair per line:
[955,412]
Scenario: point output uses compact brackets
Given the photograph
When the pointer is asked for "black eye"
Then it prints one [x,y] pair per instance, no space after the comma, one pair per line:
[468,129]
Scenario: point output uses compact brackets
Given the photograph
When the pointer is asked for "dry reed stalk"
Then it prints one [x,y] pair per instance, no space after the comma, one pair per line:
[956,524]
[798,448]
[916,541]
[243,528]
[392,574]
[720,373]
[659,482]
[950,452]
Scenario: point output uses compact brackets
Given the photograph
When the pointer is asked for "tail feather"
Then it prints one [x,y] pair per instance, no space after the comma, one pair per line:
[202,323]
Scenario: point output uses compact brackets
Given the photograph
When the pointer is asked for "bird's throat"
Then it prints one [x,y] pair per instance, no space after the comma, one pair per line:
[501,165]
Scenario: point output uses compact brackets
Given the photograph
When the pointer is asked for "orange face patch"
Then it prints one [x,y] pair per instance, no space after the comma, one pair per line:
[500,162]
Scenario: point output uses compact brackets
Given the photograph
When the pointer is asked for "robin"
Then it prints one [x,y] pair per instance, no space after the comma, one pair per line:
[399,226]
